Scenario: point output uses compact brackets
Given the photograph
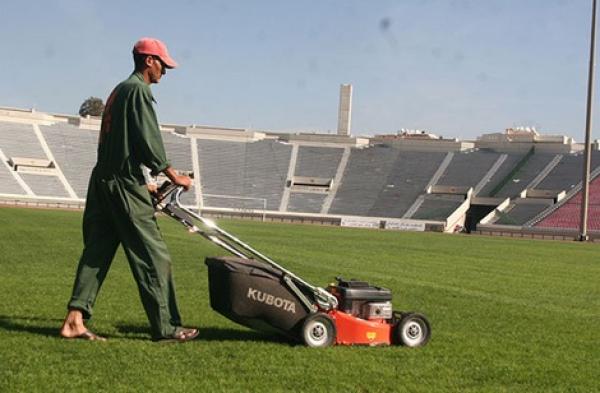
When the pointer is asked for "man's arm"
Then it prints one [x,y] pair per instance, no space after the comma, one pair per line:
[180,180]
[145,131]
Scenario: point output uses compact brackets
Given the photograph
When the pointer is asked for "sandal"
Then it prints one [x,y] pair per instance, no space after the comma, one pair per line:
[180,335]
[87,335]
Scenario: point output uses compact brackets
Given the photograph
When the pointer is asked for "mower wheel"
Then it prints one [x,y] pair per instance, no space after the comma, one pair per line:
[318,331]
[412,330]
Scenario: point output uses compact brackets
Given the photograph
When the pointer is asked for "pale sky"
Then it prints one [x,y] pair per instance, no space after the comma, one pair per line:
[457,68]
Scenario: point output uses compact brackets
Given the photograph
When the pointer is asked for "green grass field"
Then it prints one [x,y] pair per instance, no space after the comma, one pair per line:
[507,315]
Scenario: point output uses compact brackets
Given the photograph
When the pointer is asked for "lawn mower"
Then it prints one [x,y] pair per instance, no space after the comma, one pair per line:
[251,289]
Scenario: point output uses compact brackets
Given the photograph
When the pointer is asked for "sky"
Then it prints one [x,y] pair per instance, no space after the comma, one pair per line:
[456,68]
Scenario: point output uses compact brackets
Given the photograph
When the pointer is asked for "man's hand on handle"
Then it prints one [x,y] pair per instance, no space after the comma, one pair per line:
[179,180]
[182,180]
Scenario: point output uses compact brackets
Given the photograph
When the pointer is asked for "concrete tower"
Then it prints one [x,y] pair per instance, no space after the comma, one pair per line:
[345,111]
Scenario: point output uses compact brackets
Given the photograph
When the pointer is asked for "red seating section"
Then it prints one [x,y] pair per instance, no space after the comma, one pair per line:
[569,214]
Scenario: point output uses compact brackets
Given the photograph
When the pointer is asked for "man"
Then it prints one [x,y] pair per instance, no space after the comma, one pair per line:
[119,209]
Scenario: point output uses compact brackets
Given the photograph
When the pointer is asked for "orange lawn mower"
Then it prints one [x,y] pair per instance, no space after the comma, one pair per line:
[251,289]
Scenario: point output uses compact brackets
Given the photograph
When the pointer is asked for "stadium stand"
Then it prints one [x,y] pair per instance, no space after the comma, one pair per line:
[562,176]
[522,178]
[46,186]
[366,174]
[568,215]
[595,159]
[74,150]
[325,180]
[501,175]
[178,149]
[317,161]
[19,140]
[438,207]
[239,169]
[306,202]
[407,179]
[521,213]
[467,168]
[311,179]
[8,184]
[221,164]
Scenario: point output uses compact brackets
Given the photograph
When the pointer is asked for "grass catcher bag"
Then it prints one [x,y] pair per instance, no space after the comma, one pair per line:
[253,294]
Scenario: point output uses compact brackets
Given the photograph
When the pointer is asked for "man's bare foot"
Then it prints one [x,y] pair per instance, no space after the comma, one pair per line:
[73,327]
[87,335]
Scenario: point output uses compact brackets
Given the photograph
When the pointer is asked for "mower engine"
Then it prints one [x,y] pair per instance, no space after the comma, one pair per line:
[362,300]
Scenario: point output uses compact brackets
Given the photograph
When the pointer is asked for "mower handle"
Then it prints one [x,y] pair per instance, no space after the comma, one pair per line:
[227,241]
[163,192]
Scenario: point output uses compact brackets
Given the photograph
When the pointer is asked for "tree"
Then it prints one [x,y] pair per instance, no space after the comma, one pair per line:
[93,106]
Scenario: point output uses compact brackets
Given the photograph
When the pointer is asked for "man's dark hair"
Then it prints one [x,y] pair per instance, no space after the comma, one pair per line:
[140,61]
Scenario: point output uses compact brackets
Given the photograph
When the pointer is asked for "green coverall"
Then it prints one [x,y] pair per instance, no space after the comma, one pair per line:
[119,210]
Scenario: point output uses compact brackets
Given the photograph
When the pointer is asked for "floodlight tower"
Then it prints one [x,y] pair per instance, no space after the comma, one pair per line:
[588,130]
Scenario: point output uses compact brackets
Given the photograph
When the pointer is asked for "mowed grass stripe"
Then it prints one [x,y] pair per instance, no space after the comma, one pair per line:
[507,315]
[522,274]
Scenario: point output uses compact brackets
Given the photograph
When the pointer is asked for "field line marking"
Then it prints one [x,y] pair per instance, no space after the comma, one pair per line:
[499,298]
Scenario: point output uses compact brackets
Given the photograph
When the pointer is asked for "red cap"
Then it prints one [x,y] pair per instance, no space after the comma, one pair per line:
[152,46]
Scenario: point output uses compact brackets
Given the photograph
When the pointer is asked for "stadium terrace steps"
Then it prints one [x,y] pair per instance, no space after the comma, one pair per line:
[8,183]
[561,177]
[525,175]
[74,150]
[377,181]
[437,207]
[46,186]
[564,175]
[19,140]
[490,174]
[318,161]
[366,174]
[467,168]
[305,203]
[507,166]
[337,180]
[239,169]
[432,182]
[407,179]
[221,165]
[567,174]
[568,215]
[520,213]
[178,151]
[544,172]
